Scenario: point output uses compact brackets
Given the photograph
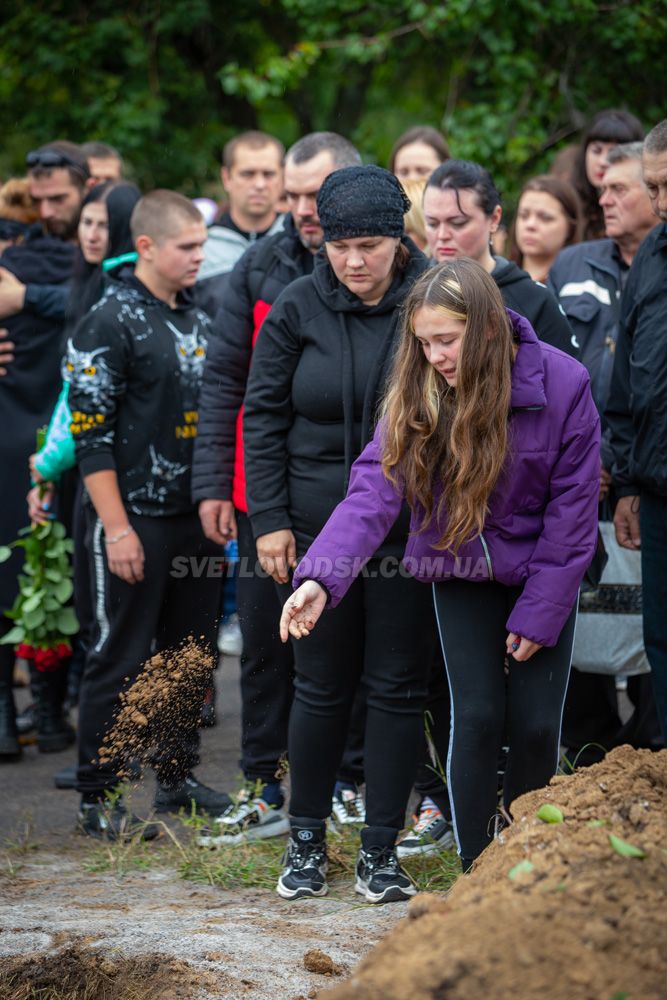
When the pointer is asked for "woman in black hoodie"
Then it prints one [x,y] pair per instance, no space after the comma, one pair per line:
[462,210]
[317,377]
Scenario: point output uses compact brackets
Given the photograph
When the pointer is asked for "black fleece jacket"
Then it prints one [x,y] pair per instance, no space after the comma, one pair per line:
[135,366]
[534,301]
[316,380]
[257,280]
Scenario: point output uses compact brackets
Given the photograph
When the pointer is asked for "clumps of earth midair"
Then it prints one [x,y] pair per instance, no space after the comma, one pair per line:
[158,711]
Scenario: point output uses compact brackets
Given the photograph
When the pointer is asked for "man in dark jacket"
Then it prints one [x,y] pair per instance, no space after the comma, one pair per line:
[135,364]
[218,480]
[59,178]
[588,280]
[637,416]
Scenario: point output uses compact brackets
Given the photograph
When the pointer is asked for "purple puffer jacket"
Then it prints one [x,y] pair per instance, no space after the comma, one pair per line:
[541,528]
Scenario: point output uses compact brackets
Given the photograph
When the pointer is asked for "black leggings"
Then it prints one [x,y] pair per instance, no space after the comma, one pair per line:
[384,632]
[527,705]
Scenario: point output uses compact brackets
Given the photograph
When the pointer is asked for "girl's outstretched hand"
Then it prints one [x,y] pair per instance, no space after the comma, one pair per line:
[302,610]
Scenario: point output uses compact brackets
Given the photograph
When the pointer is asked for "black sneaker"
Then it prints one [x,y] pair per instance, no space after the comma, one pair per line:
[305,863]
[190,790]
[380,877]
[431,832]
[113,822]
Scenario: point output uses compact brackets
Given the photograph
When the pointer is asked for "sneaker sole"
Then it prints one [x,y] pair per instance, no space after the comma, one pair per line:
[301,893]
[264,832]
[174,810]
[125,838]
[446,844]
[392,894]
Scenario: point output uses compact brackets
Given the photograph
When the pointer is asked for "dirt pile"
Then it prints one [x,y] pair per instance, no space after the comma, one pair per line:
[77,973]
[161,706]
[551,909]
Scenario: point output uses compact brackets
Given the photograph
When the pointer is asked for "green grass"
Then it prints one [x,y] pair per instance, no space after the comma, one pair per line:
[14,849]
[251,865]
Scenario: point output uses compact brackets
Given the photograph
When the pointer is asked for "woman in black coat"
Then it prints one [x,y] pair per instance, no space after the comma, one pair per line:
[317,377]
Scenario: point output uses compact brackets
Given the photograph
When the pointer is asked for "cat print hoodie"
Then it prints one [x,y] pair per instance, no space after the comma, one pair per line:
[134,366]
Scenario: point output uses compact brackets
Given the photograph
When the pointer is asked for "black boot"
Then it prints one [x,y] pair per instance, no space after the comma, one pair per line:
[9,744]
[54,732]
[188,794]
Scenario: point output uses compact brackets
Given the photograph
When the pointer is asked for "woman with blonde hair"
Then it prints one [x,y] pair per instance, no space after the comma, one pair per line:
[415,223]
[492,437]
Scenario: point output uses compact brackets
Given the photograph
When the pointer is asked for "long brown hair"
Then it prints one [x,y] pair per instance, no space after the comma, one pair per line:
[436,434]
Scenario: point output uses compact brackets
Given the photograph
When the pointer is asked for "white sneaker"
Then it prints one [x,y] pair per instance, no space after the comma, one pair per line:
[348,807]
[249,819]
[431,833]
[230,640]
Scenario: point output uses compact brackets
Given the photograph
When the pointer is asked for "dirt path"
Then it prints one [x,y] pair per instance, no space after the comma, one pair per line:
[246,943]
[250,943]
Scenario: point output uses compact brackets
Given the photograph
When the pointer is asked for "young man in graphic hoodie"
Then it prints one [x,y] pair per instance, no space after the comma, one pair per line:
[135,364]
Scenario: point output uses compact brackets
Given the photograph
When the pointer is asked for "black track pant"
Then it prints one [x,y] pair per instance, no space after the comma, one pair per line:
[175,599]
[383,631]
[267,675]
[527,706]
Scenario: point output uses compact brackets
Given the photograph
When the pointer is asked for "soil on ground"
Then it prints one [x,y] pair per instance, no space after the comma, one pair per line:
[551,910]
[79,921]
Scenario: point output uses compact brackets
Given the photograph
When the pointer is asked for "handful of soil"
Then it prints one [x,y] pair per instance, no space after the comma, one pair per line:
[159,712]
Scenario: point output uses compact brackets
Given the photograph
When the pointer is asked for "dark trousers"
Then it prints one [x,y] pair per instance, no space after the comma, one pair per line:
[525,706]
[382,632]
[267,675]
[653,517]
[134,621]
[267,665]
[431,772]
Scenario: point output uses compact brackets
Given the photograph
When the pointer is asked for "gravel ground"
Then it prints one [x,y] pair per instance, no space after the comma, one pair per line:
[249,942]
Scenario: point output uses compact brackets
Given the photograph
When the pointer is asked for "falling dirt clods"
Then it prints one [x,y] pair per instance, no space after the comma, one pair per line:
[158,711]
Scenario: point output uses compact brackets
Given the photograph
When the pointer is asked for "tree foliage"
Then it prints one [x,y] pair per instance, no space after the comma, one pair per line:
[168,81]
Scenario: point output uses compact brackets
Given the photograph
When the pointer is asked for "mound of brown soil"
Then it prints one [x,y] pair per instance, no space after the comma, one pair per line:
[162,704]
[576,921]
[76,973]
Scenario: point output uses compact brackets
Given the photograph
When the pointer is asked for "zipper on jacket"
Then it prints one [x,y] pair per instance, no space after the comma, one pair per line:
[487,556]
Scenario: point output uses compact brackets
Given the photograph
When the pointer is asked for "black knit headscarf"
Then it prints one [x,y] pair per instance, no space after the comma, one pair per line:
[361,201]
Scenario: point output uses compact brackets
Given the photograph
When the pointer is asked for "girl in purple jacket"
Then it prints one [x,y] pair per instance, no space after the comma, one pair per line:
[493,439]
